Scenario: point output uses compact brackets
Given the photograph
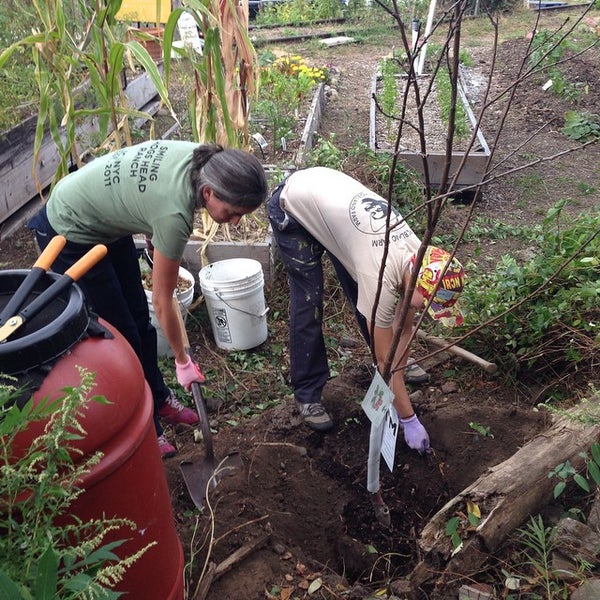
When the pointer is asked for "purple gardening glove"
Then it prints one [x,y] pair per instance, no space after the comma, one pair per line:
[415,434]
[187,373]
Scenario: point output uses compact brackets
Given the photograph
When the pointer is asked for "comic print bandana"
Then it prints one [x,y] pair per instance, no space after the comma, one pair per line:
[443,306]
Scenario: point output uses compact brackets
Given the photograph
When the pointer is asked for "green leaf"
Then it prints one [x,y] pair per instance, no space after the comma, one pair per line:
[452,526]
[559,488]
[581,481]
[141,54]
[594,471]
[8,588]
[596,453]
[315,586]
[47,575]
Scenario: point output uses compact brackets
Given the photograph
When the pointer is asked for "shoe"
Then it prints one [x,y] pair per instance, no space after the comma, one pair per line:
[315,416]
[173,412]
[167,450]
[414,374]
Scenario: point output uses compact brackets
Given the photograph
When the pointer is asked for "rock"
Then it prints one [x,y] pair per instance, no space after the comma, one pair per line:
[590,590]
[449,387]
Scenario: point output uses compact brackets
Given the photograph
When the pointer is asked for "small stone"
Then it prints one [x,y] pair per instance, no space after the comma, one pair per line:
[449,387]
[416,396]
[278,548]
[590,590]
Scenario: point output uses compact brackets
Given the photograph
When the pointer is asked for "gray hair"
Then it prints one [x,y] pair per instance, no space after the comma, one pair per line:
[235,176]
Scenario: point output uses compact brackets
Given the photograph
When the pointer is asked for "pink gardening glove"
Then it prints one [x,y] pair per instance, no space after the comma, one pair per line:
[415,434]
[187,373]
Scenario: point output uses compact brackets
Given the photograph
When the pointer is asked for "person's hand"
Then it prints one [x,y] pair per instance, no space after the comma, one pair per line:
[415,434]
[187,373]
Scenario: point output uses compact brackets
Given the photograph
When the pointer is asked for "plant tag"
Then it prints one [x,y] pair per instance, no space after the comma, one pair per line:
[377,400]
[390,434]
[260,140]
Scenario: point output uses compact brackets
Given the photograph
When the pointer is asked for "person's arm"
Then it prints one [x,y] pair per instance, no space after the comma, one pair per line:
[165,272]
[383,341]
[415,434]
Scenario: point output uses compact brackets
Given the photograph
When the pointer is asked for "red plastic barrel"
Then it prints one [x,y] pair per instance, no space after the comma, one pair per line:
[129,482]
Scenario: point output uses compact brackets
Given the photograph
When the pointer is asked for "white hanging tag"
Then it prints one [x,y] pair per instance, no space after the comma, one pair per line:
[390,435]
[377,400]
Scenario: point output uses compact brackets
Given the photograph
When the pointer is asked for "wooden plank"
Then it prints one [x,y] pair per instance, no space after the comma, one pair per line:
[313,123]
[17,181]
[263,252]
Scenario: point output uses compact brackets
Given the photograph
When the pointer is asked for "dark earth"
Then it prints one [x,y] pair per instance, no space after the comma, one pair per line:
[299,505]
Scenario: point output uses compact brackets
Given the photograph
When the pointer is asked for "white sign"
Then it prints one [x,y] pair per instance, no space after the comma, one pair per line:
[390,435]
[377,400]
[188,31]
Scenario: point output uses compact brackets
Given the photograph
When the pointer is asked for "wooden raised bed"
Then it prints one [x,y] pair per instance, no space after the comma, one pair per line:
[476,159]
[17,181]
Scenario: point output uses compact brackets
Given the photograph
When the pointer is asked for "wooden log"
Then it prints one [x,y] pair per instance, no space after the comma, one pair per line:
[215,571]
[506,495]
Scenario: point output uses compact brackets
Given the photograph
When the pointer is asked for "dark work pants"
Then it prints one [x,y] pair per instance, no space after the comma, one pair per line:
[302,257]
[113,290]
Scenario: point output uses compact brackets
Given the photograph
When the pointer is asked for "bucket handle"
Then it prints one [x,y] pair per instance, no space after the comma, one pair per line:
[262,314]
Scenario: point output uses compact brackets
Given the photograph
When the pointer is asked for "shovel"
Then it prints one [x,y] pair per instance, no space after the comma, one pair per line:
[202,475]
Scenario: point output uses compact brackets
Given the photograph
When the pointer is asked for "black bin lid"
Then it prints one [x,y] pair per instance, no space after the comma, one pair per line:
[48,334]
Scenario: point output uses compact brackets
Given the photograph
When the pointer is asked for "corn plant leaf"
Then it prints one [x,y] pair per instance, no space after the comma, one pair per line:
[596,453]
[8,588]
[115,67]
[30,40]
[141,54]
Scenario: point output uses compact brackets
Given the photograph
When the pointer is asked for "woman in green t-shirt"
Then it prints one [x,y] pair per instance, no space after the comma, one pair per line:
[153,188]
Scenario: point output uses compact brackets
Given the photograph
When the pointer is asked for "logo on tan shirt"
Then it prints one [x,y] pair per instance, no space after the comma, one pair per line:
[368,214]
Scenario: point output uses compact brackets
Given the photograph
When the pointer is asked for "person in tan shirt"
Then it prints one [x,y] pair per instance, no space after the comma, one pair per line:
[318,210]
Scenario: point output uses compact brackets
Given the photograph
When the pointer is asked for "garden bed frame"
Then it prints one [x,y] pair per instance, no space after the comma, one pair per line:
[18,187]
[476,160]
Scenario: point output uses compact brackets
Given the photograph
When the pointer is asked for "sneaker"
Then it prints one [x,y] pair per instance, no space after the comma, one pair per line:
[167,450]
[173,412]
[414,374]
[315,416]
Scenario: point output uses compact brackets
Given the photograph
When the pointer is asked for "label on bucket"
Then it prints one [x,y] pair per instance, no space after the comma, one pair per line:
[222,325]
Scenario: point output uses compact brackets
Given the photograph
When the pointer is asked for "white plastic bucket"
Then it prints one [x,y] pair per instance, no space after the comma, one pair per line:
[235,300]
[184,298]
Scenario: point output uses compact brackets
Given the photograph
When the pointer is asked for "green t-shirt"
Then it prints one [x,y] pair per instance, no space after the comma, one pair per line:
[144,188]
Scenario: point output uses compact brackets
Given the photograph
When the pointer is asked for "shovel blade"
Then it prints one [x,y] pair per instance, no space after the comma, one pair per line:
[203,476]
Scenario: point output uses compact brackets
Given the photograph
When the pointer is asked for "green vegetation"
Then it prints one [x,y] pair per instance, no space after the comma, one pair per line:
[296,12]
[543,311]
[285,84]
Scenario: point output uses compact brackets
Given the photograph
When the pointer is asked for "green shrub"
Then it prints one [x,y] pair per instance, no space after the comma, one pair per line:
[546,309]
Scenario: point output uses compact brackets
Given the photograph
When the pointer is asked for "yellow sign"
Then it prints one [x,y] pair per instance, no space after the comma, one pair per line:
[145,11]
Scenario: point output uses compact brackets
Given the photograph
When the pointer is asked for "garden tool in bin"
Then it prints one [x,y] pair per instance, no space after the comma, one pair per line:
[202,475]
[13,322]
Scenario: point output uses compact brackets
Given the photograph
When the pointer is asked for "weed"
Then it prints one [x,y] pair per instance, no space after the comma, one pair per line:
[325,153]
[582,126]
[539,542]
[71,560]
[482,430]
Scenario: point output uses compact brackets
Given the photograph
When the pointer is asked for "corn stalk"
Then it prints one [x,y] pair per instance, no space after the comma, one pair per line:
[225,80]
[67,62]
